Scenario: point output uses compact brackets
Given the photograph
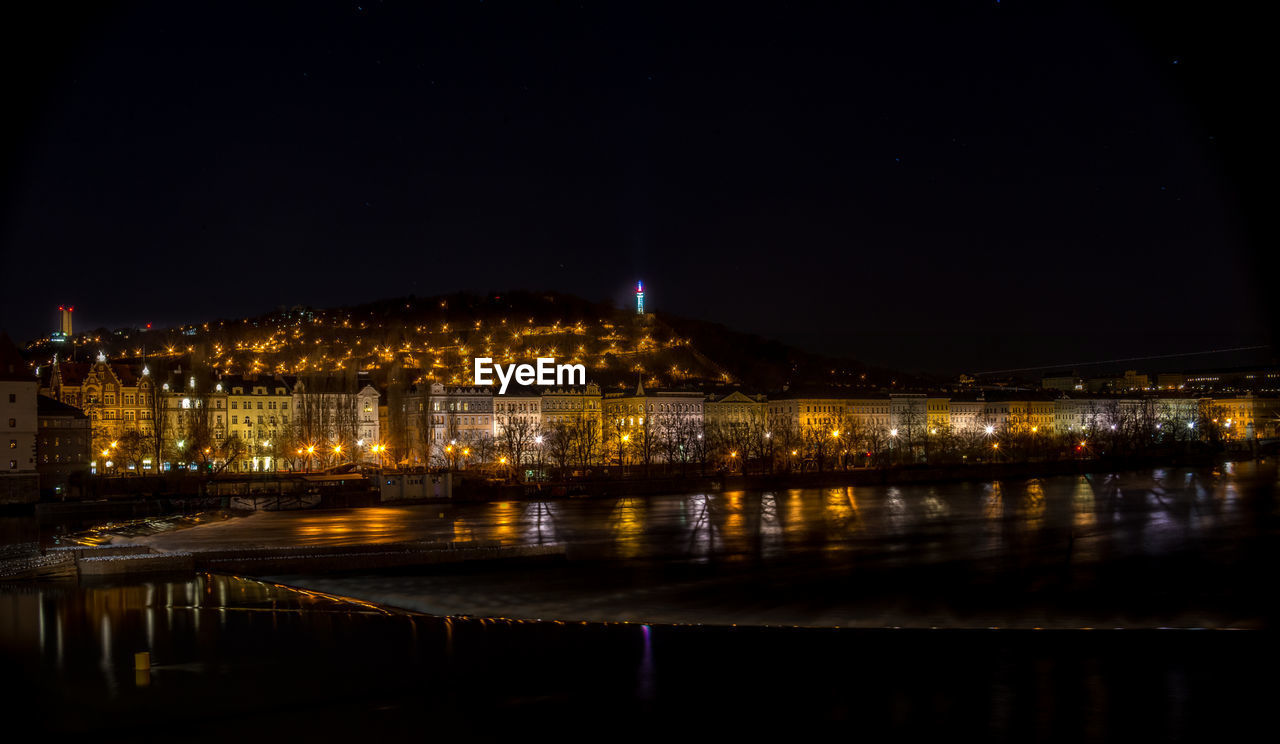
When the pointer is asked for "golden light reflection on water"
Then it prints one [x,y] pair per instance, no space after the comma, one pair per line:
[502,519]
[734,527]
[795,528]
[627,522]
[1033,505]
[841,510]
[1083,506]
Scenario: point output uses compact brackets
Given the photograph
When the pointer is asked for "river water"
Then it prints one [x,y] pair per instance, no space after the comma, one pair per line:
[1160,548]
[240,659]
[331,657]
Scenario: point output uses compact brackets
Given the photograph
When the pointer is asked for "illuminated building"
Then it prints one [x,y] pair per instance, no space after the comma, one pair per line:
[64,324]
[338,415]
[938,412]
[517,405]
[118,397]
[735,410]
[259,407]
[639,298]
[809,412]
[444,422]
[641,419]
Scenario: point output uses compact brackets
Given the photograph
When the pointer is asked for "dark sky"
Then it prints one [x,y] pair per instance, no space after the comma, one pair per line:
[958,186]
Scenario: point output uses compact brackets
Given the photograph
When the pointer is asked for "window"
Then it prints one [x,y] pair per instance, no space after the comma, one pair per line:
[13,464]
[13,423]
[13,444]
[13,398]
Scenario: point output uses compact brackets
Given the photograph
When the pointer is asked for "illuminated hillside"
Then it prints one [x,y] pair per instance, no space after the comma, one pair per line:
[437,338]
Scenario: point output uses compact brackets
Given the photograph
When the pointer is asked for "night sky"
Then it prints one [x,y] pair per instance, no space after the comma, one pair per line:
[959,186]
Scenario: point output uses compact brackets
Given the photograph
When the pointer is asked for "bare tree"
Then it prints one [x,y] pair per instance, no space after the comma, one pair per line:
[516,438]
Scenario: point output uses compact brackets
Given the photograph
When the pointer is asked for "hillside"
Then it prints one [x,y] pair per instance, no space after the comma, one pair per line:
[435,338]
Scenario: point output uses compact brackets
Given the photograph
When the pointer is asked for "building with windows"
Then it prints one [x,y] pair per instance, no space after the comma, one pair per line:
[19,481]
[259,408]
[519,406]
[447,422]
[736,410]
[118,397]
[802,411]
[63,450]
[337,418]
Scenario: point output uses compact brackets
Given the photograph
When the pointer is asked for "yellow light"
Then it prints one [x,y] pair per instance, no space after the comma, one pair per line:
[105,453]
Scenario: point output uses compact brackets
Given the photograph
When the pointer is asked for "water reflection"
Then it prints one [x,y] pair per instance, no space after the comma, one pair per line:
[1151,512]
[308,665]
